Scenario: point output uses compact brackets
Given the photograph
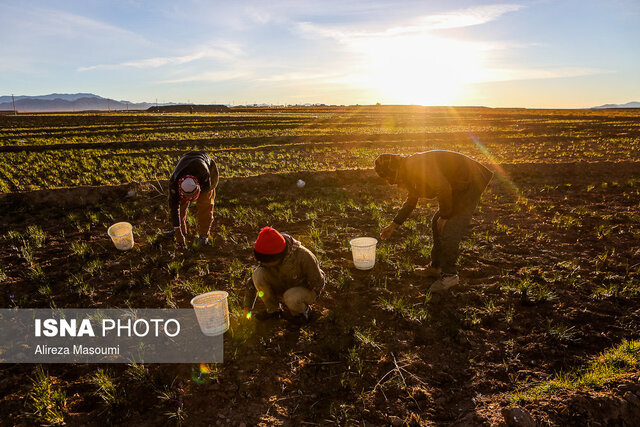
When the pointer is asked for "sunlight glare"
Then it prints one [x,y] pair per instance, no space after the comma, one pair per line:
[419,69]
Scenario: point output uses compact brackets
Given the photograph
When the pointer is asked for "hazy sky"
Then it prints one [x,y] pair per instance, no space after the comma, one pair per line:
[545,53]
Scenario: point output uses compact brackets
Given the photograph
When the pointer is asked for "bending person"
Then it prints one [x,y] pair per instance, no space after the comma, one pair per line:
[457,181]
[194,178]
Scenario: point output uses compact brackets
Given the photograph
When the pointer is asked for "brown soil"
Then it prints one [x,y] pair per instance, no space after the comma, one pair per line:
[449,363]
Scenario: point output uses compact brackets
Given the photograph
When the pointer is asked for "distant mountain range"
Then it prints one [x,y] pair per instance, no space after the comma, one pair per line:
[69,102]
[627,105]
[89,101]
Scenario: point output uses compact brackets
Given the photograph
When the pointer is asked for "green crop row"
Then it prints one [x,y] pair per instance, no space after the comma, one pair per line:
[296,140]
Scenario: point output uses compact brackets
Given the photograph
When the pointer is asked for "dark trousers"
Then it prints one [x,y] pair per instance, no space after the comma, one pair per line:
[446,245]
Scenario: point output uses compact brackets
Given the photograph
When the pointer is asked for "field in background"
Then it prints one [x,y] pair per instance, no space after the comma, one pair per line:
[75,149]
[550,272]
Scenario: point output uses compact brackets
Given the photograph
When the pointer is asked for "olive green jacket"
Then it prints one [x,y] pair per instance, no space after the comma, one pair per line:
[299,267]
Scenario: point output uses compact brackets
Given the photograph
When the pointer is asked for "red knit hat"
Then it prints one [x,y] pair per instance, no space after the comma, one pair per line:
[270,245]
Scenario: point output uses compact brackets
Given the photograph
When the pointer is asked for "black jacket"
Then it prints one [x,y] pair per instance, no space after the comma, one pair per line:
[197,164]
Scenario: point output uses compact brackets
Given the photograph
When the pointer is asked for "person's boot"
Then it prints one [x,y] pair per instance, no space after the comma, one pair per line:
[444,283]
[429,271]
[302,318]
[201,241]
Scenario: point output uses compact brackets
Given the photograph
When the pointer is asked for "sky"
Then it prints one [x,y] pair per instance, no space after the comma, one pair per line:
[535,54]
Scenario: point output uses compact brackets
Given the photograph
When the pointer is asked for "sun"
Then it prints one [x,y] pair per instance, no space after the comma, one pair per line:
[419,69]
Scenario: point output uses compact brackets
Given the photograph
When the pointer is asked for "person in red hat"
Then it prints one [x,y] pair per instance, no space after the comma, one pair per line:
[194,178]
[288,273]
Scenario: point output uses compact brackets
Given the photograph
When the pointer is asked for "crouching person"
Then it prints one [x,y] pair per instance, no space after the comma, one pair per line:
[194,178]
[288,273]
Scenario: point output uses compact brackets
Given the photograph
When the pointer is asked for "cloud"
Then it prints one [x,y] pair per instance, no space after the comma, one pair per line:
[223,52]
[416,53]
[73,24]
[50,24]
[502,75]
[300,76]
[47,39]
[467,17]
[454,19]
[257,15]
[208,76]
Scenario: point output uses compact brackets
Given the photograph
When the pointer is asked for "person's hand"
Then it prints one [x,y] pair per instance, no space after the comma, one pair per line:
[388,231]
[440,225]
[179,237]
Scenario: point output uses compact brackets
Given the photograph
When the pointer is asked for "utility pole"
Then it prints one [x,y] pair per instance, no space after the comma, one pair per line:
[15,113]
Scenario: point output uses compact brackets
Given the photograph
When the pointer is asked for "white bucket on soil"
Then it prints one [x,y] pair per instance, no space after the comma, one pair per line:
[122,235]
[212,311]
[364,252]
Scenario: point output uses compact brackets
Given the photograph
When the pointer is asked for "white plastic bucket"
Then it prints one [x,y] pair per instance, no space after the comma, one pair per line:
[212,311]
[122,235]
[364,252]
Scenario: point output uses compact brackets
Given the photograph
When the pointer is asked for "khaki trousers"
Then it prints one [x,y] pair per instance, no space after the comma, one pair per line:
[296,299]
[204,209]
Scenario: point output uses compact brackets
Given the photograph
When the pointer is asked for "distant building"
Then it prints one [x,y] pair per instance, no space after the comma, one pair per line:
[189,109]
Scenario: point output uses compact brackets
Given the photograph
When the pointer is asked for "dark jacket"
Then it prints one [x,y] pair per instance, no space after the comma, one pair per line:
[439,174]
[197,164]
[299,267]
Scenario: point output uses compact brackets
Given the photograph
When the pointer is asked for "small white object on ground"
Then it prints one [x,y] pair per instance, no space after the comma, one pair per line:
[212,312]
[121,234]
[301,183]
[363,250]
